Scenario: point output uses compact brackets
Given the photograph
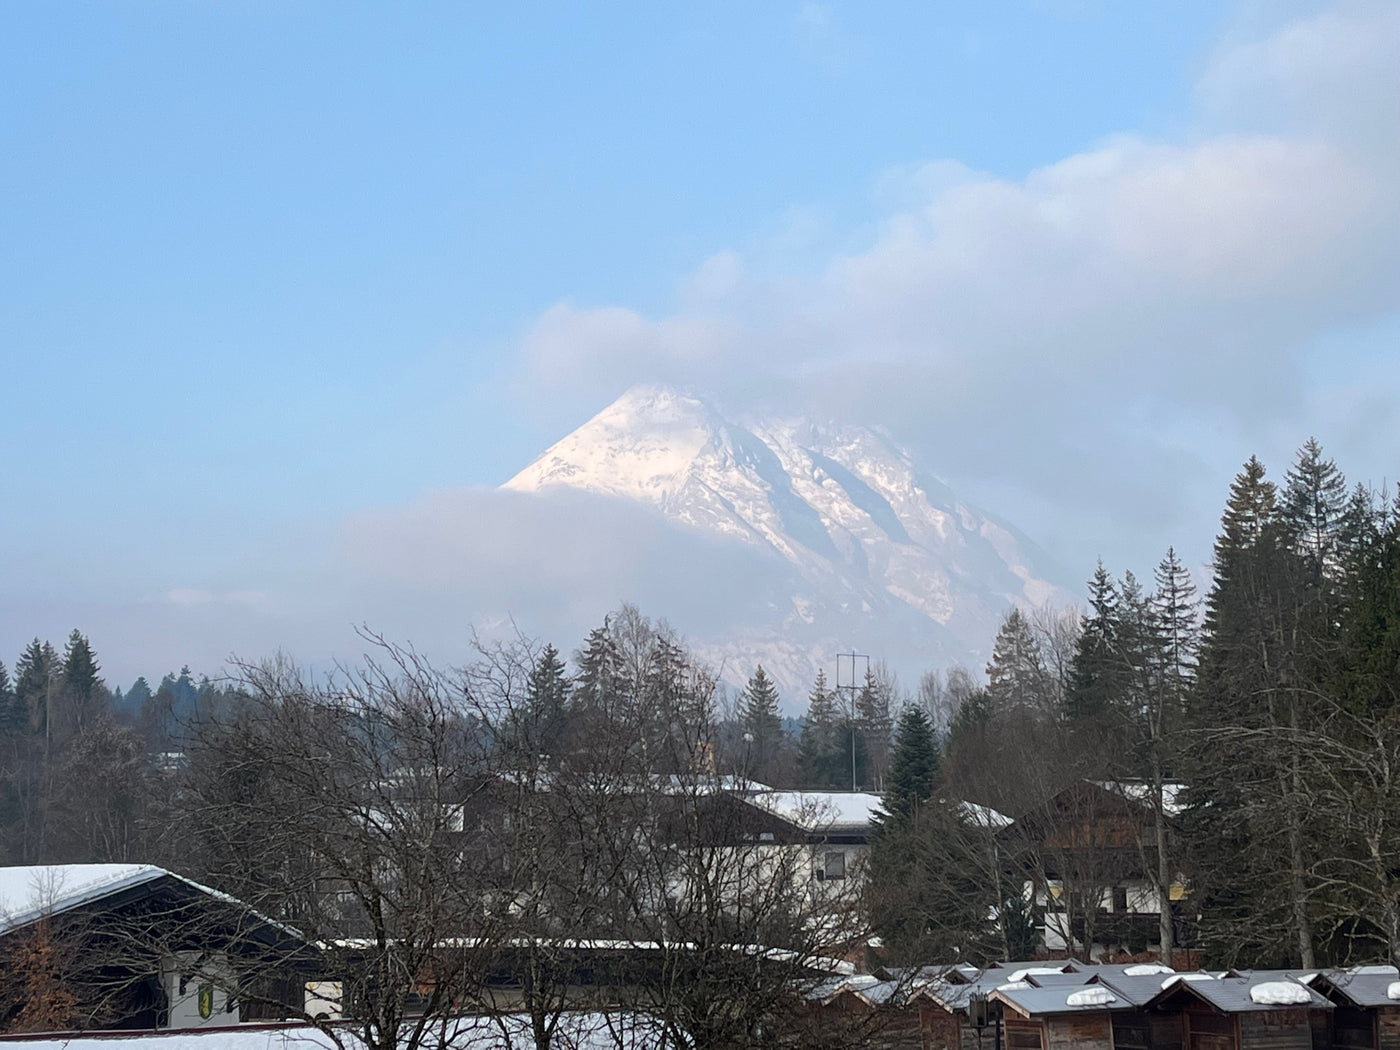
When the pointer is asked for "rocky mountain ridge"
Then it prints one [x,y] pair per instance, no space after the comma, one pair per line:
[884,557]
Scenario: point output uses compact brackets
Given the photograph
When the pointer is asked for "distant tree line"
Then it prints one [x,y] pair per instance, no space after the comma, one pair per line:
[81,764]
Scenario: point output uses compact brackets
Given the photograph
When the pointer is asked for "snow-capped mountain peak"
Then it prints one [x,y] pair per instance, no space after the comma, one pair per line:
[883,555]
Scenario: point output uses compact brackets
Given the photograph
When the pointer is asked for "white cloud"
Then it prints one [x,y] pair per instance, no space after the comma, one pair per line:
[556,561]
[1142,310]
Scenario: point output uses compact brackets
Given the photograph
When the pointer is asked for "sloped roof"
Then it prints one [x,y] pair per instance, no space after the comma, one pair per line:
[1061,999]
[30,892]
[27,893]
[1141,792]
[820,810]
[1361,985]
[1235,994]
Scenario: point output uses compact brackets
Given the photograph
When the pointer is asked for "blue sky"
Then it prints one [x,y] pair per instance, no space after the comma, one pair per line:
[264,267]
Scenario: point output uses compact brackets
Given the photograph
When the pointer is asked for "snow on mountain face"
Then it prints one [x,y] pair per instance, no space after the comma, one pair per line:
[889,560]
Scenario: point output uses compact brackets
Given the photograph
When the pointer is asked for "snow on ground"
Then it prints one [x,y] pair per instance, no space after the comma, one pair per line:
[587,1031]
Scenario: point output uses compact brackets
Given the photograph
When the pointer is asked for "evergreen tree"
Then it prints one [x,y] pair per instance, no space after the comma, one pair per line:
[1249,815]
[874,723]
[12,715]
[1097,673]
[761,719]
[914,765]
[137,695]
[82,692]
[35,674]
[1176,621]
[668,703]
[1017,679]
[1314,508]
[546,693]
[599,686]
[820,760]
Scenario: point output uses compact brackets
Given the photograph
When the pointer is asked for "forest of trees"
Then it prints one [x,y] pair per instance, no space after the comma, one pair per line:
[1273,700]
[1272,697]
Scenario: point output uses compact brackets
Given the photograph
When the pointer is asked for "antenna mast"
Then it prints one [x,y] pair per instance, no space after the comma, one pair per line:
[849,660]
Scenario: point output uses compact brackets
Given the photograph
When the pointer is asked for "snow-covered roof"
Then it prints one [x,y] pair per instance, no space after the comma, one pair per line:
[821,810]
[1031,1001]
[1362,985]
[983,816]
[1240,993]
[1140,791]
[27,893]
[585,1031]
[30,892]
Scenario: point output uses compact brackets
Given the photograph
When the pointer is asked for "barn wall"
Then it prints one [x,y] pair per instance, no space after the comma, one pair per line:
[1275,1030]
[1165,1031]
[1388,1028]
[1132,1030]
[1079,1032]
[940,1029]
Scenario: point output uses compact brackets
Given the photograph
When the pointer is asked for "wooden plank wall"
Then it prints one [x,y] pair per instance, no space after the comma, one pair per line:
[1388,1027]
[1276,1030]
[1079,1032]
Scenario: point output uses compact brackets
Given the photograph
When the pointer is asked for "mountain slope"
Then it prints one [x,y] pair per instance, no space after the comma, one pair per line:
[884,558]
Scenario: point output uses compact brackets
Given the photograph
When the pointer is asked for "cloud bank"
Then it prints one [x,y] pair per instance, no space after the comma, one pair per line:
[1098,345]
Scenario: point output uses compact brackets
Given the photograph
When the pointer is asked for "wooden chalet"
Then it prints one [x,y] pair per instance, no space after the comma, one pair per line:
[1087,855]
[134,946]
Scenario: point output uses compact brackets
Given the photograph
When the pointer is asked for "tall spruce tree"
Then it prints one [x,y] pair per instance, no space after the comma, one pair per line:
[36,672]
[819,757]
[874,723]
[1017,678]
[1249,812]
[12,717]
[599,684]
[1097,673]
[82,693]
[546,693]
[913,766]
[761,720]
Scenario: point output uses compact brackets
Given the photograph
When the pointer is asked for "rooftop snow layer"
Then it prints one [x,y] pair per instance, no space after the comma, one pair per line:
[27,893]
[820,810]
[1280,993]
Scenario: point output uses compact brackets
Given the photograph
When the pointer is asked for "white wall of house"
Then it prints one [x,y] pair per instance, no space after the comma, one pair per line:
[196,987]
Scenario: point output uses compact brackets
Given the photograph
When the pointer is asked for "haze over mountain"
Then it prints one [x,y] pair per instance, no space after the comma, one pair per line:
[881,556]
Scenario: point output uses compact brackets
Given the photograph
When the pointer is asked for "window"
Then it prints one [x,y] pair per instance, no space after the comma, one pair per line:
[1120,898]
[833,866]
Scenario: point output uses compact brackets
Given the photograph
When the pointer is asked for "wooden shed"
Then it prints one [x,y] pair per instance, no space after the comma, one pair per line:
[1259,1011]
[1366,1015]
[1058,1015]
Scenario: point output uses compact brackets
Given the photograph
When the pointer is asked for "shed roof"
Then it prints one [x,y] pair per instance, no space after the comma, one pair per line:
[1236,994]
[1030,1001]
[1360,985]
